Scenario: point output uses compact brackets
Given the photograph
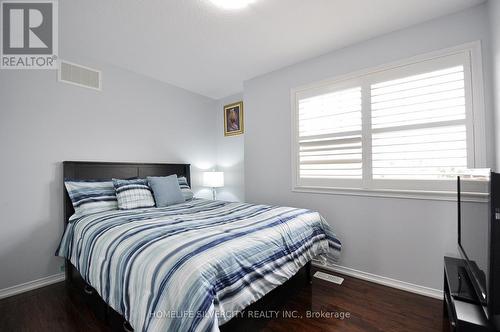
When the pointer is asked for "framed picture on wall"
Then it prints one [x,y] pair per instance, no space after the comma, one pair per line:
[233,119]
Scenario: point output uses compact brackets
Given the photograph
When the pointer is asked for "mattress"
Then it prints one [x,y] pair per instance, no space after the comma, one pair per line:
[192,266]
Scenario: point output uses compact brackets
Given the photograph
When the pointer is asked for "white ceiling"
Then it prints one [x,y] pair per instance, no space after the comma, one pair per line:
[197,46]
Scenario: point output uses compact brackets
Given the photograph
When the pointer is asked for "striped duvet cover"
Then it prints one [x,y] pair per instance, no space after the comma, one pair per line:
[195,265]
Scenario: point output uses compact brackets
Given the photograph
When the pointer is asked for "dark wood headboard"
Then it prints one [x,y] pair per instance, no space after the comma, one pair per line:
[84,170]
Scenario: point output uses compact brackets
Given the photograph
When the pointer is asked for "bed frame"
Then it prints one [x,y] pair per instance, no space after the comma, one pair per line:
[84,170]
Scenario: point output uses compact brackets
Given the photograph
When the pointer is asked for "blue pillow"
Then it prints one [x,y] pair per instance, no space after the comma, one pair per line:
[133,194]
[91,196]
[185,189]
[166,190]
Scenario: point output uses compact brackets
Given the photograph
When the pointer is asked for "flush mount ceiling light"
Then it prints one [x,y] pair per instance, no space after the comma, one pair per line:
[232,4]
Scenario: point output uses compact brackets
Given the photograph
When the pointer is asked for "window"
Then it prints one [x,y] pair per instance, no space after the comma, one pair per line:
[418,126]
[330,135]
[406,127]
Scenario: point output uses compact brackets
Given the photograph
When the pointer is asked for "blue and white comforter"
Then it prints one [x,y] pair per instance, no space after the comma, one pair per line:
[192,266]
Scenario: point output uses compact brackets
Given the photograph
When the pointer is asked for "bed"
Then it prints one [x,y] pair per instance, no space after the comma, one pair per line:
[191,266]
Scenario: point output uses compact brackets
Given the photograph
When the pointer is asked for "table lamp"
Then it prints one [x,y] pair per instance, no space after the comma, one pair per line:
[213,180]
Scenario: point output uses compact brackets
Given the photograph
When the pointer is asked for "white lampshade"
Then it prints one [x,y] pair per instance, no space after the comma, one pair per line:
[213,179]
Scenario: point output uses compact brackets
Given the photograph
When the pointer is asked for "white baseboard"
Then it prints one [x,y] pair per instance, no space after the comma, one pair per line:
[30,285]
[402,285]
[398,284]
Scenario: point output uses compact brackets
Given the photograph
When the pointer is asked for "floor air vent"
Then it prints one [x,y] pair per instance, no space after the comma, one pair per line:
[329,277]
[78,75]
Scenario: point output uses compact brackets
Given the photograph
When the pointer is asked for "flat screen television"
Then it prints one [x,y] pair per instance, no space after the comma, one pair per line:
[479,241]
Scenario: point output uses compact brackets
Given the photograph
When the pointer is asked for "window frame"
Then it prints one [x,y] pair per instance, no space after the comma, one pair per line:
[470,54]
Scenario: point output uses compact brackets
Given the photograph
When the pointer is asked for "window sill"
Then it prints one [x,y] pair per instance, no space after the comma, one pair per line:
[393,193]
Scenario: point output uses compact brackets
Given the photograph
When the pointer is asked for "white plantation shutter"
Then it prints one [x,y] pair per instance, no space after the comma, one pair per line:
[419,128]
[330,135]
[408,127]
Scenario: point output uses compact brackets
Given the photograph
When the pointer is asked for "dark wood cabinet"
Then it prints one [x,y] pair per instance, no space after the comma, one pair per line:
[463,313]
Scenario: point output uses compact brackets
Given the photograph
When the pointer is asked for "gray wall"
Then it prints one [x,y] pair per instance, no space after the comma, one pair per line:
[403,239]
[230,155]
[43,122]
[494,11]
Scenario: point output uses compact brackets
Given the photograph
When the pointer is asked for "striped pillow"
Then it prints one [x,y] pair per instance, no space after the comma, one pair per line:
[133,194]
[90,196]
[185,189]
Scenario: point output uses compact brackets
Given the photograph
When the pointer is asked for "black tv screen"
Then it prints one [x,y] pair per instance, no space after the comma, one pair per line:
[474,231]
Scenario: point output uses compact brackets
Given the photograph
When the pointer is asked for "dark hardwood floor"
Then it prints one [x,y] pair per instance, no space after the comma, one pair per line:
[356,305]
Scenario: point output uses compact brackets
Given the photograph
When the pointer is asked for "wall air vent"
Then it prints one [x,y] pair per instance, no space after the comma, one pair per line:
[78,75]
